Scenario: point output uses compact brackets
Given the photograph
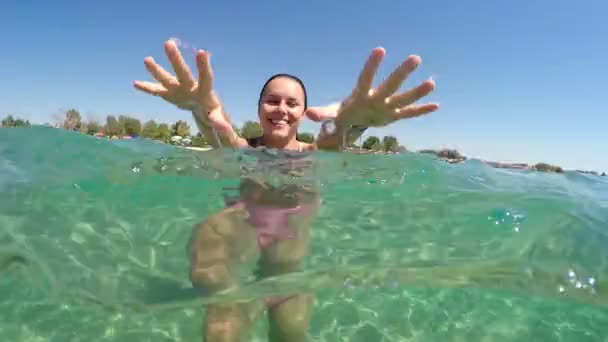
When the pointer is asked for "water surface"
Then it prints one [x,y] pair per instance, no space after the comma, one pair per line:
[93,237]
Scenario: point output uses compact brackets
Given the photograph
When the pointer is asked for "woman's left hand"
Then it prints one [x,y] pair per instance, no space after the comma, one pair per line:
[380,106]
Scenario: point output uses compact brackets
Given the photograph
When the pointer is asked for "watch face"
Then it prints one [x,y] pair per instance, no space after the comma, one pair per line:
[329,126]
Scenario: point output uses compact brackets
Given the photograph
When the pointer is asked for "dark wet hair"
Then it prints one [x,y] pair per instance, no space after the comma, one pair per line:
[291,77]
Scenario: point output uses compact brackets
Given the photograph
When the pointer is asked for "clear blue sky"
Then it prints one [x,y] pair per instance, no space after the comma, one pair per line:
[516,80]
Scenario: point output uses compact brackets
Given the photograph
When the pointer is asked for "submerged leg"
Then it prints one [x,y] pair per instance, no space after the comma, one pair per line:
[217,247]
[289,317]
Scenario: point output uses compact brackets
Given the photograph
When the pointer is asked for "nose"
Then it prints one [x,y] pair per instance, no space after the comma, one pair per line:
[283,107]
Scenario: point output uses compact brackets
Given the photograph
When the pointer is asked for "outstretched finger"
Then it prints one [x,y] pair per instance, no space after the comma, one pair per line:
[160,74]
[205,73]
[366,77]
[318,114]
[412,95]
[393,82]
[150,88]
[183,73]
[415,110]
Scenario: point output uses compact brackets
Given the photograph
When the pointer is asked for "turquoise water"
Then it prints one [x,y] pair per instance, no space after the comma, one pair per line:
[94,233]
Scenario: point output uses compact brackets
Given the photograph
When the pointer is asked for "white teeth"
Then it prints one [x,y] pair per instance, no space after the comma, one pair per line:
[278,122]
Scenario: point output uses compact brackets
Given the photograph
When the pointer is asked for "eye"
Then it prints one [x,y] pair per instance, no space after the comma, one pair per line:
[272,101]
[293,103]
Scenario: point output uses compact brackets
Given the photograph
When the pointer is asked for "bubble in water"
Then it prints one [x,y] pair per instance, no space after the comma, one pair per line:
[591,281]
[511,218]
[402,178]
[579,282]
[136,167]
[348,283]
[571,274]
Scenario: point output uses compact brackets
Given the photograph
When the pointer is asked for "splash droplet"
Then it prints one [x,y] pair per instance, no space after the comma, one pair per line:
[182,44]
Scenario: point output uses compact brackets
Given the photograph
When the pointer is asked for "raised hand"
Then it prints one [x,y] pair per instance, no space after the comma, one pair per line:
[381,106]
[183,91]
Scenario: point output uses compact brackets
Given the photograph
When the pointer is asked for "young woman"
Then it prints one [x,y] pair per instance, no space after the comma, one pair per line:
[266,222]
[365,107]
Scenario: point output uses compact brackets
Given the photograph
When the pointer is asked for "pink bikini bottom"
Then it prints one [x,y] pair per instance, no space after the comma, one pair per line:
[272,224]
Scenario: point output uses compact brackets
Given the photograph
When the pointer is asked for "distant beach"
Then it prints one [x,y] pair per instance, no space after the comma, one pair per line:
[202,149]
[178,134]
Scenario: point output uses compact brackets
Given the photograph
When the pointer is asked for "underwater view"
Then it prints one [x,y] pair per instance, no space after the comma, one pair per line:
[99,241]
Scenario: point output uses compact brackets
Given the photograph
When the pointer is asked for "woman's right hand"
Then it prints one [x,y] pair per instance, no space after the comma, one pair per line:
[183,91]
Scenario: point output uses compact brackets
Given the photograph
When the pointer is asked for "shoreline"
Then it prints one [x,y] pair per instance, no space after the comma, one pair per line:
[194,148]
[454,157]
[451,156]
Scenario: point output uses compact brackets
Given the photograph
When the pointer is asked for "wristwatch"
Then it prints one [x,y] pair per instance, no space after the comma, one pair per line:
[328,126]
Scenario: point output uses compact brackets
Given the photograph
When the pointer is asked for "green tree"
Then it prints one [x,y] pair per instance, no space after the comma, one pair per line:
[370,142]
[83,127]
[428,151]
[544,167]
[251,129]
[306,137]
[180,128]
[164,132]
[72,120]
[450,154]
[390,143]
[150,130]
[93,127]
[8,121]
[112,126]
[129,125]
[378,146]
[22,123]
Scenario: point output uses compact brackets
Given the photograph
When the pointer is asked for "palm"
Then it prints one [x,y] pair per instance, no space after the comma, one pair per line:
[379,106]
[362,110]
[182,90]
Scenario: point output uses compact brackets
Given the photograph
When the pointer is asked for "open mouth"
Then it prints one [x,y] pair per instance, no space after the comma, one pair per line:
[278,123]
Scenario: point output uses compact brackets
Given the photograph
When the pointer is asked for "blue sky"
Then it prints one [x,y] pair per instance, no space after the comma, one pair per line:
[516,80]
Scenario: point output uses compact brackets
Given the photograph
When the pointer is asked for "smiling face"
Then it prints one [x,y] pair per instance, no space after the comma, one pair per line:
[281,107]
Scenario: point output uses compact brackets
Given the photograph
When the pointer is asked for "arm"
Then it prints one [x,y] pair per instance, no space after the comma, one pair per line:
[223,135]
